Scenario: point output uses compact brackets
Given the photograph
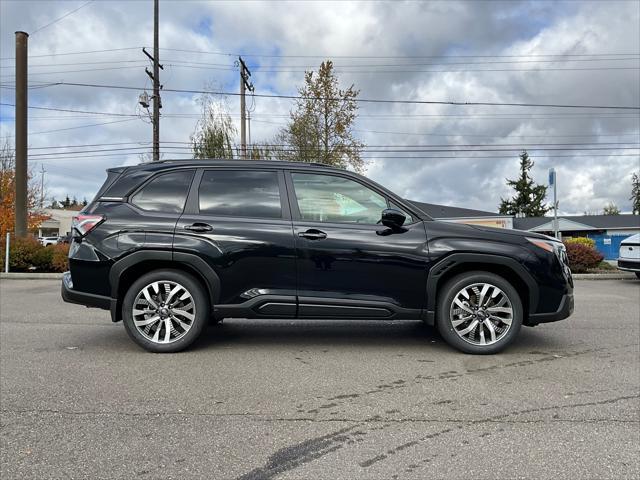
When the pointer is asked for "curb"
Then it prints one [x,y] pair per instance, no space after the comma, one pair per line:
[604,276]
[30,276]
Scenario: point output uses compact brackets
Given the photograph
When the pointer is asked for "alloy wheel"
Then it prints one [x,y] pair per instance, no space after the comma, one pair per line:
[481,314]
[163,311]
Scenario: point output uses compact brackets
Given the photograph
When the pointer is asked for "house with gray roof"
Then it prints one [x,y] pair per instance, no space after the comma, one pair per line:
[606,230]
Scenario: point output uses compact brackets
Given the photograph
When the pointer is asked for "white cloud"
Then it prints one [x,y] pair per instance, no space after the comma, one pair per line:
[393,29]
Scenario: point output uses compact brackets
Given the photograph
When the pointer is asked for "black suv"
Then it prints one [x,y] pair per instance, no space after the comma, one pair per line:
[169,246]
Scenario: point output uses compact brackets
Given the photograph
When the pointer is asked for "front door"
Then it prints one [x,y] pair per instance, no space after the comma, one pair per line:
[348,264]
[238,222]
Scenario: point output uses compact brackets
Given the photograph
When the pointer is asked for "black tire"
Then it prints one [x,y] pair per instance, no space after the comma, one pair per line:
[191,286]
[637,274]
[446,297]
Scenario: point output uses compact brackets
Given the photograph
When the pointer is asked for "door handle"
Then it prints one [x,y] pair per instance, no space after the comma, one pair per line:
[199,227]
[313,234]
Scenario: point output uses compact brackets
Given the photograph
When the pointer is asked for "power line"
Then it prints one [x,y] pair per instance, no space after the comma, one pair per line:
[75,111]
[74,128]
[60,18]
[366,147]
[377,157]
[77,53]
[256,55]
[360,100]
[367,151]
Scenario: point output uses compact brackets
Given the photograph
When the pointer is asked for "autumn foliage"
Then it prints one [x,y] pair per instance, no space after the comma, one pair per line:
[8,194]
[582,257]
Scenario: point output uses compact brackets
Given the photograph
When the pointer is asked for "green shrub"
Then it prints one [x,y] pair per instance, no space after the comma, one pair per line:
[582,257]
[22,252]
[42,258]
[60,259]
[582,241]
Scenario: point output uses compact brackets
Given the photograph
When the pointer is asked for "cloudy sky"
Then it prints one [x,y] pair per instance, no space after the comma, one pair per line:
[542,52]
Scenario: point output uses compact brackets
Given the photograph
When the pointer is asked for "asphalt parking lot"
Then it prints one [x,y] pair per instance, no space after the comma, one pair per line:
[318,400]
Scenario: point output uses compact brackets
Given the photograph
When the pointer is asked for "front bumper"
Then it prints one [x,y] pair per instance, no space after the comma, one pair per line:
[565,309]
[630,265]
[91,300]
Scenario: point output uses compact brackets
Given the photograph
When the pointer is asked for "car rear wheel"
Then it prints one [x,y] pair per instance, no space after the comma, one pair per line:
[165,311]
[479,312]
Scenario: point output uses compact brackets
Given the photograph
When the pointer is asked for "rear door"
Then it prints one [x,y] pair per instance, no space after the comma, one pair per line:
[348,264]
[238,221]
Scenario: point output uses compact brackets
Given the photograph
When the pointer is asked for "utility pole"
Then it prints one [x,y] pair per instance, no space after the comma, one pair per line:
[155,76]
[245,84]
[21,134]
[42,172]
[552,181]
[249,133]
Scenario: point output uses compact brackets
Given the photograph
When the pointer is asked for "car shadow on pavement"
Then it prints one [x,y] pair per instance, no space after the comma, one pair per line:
[373,333]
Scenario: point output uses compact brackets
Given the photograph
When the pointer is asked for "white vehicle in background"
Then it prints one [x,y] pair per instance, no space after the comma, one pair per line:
[629,257]
[48,241]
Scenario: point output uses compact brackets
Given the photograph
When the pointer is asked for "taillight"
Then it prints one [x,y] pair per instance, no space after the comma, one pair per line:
[83,224]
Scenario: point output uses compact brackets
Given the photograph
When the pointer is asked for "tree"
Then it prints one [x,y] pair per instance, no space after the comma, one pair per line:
[215,131]
[611,209]
[529,197]
[66,203]
[635,194]
[321,127]
[8,193]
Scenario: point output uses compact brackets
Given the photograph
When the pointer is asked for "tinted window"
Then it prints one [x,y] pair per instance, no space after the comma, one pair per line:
[240,193]
[165,193]
[327,198]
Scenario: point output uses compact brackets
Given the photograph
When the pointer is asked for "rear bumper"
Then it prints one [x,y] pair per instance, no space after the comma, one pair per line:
[565,309]
[70,295]
[629,265]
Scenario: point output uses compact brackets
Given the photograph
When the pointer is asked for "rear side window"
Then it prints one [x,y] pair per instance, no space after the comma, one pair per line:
[165,193]
[240,193]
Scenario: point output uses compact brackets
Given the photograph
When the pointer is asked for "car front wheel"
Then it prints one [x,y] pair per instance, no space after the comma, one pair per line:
[165,311]
[479,312]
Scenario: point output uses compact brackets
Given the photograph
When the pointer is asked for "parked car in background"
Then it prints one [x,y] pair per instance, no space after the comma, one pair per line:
[48,240]
[167,246]
[629,256]
[64,239]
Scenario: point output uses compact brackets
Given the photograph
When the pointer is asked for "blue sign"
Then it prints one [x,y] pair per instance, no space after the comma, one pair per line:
[552,176]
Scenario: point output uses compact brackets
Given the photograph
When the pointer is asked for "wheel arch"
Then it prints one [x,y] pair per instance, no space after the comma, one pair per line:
[125,271]
[505,267]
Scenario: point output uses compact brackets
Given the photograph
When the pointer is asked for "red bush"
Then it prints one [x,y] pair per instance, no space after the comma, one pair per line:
[60,259]
[582,257]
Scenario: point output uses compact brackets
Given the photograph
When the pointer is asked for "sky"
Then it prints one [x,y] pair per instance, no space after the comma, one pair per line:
[540,52]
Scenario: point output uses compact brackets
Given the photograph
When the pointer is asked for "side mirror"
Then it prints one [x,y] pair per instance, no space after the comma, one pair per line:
[392,218]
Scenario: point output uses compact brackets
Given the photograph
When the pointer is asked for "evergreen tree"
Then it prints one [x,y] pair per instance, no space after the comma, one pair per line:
[529,198]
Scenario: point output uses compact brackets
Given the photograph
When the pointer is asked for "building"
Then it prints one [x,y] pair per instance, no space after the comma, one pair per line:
[58,223]
[465,215]
[606,230]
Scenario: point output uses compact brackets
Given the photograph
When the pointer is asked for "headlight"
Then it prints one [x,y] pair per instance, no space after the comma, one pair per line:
[551,246]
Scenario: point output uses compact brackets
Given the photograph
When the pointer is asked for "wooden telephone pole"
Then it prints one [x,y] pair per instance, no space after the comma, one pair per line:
[245,84]
[21,134]
[155,77]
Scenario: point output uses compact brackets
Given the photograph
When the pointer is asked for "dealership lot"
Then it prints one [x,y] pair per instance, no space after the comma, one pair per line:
[352,399]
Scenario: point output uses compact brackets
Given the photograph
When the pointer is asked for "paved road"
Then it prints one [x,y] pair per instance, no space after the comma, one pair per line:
[318,400]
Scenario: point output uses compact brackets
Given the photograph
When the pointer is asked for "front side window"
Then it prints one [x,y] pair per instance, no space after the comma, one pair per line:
[328,198]
[240,193]
[165,193]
